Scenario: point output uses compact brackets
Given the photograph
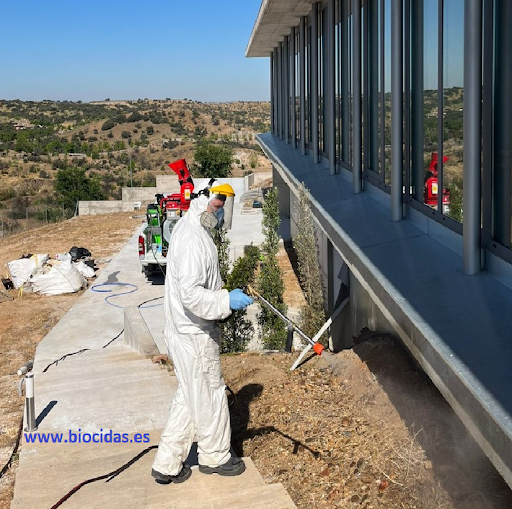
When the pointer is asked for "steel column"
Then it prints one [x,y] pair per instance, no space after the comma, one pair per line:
[272,92]
[397,157]
[472,134]
[279,94]
[276,93]
[314,82]
[330,135]
[345,82]
[286,80]
[293,92]
[302,84]
[357,162]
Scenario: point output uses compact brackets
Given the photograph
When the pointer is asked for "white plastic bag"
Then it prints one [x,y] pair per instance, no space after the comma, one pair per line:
[84,269]
[62,278]
[21,270]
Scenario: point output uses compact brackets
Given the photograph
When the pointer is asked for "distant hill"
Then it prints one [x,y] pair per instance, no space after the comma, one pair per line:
[120,142]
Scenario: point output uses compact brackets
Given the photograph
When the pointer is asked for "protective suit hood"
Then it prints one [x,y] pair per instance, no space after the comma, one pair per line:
[197,207]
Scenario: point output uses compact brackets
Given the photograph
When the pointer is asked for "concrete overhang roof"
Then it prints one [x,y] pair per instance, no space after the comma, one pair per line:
[273,23]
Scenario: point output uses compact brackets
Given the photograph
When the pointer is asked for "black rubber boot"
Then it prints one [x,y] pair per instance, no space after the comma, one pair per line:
[234,466]
[184,474]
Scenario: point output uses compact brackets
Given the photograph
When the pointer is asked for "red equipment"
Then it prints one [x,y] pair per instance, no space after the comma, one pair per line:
[187,184]
[431,189]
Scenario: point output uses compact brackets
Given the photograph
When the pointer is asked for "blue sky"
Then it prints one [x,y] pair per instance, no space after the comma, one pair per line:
[66,50]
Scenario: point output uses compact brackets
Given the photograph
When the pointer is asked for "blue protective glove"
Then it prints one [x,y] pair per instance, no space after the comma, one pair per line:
[238,300]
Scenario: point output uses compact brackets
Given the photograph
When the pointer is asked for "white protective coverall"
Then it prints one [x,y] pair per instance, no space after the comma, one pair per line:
[193,301]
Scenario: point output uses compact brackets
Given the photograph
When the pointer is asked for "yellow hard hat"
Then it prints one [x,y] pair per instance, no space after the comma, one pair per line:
[224,189]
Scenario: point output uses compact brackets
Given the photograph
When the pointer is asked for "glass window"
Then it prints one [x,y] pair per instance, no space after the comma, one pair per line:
[386,98]
[453,76]
[373,85]
[502,167]
[343,88]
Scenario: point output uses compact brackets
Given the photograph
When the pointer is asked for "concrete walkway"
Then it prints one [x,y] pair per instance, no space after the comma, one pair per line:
[114,389]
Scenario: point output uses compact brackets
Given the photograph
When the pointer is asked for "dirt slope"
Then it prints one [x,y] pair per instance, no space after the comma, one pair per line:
[364,429]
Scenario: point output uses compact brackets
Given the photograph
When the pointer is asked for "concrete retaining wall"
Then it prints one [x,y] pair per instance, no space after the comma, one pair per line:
[137,334]
[135,194]
[135,198]
[93,208]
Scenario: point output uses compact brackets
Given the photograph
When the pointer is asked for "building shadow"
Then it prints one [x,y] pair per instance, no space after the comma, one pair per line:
[457,461]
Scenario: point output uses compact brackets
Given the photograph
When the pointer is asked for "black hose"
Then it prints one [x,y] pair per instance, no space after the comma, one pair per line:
[109,476]
[8,464]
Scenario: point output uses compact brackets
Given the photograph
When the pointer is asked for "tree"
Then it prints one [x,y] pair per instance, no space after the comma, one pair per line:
[253,160]
[270,281]
[312,314]
[72,184]
[108,124]
[212,161]
[237,331]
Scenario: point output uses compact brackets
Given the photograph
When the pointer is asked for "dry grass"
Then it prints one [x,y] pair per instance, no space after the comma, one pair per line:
[345,434]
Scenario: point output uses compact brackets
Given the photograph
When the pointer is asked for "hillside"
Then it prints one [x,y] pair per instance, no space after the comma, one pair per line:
[122,143]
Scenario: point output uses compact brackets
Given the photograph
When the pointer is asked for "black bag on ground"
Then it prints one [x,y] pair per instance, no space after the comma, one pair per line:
[77,253]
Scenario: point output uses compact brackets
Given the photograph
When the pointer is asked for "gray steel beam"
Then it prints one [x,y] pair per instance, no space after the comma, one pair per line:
[396,111]
[330,135]
[302,85]
[280,90]
[345,82]
[472,135]
[503,124]
[272,92]
[276,92]
[313,126]
[293,91]
[382,78]
[373,86]
[417,107]
[407,99]
[286,88]
[357,163]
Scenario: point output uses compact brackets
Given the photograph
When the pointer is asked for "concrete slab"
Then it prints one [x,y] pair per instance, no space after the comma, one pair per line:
[67,465]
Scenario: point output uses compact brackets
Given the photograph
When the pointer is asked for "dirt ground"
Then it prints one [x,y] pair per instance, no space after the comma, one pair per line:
[361,428]
[25,320]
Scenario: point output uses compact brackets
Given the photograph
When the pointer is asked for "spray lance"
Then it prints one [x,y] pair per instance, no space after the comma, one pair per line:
[317,347]
[312,343]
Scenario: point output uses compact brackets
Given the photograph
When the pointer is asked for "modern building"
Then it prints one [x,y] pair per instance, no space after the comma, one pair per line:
[397,117]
